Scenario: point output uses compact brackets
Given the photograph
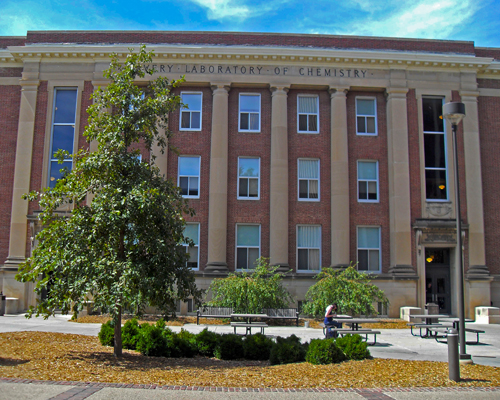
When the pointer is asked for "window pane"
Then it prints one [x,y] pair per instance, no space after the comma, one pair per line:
[191,231]
[363,260]
[434,151]
[370,124]
[253,255]
[367,170]
[193,257]
[309,236]
[183,184]
[243,192]
[253,190]
[313,125]
[314,259]
[62,138]
[373,262]
[432,110]
[362,190]
[193,186]
[372,190]
[303,189]
[435,184]
[302,122]
[361,125]
[313,189]
[189,166]
[365,106]
[302,259]
[308,169]
[249,103]
[192,100]
[55,173]
[244,121]
[249,167]
[185,119]
[65,107]
[308,104]
[195,120]
[248,235]
[241,259]
[254,122]
[368,238]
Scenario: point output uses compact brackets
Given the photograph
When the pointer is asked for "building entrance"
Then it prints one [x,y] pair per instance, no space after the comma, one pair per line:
[437,279]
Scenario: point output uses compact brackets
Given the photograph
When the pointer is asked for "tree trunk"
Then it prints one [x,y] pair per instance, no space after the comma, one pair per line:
[118,332]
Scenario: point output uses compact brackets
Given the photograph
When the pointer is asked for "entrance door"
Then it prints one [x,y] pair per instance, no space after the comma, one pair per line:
[437,279]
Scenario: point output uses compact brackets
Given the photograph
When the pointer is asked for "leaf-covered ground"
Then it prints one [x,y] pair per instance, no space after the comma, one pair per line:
[63,357]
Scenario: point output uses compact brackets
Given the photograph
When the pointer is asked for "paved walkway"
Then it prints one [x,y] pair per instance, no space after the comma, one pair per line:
[392,343]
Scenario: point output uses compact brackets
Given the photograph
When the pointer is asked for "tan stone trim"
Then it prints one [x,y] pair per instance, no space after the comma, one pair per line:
[489,92]
[9,81]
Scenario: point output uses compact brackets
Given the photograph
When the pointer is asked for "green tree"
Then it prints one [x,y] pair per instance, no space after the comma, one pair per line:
[250,292]
[121,248]
[349,289]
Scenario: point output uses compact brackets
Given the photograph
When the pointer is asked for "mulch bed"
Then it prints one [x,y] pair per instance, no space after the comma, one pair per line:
[64,357]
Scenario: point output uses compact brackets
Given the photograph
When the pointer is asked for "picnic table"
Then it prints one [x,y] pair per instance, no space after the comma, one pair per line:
[354,322]
[355,328]
[248,325]
[429,323]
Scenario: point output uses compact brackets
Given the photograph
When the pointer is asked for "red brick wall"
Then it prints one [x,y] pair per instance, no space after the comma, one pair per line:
[10,97]
[488,52]
[369,148]
[255,39]
[198,144]
[12,41]
[488,83]
[254,145]
[301,145]
[489,121]
[11,72]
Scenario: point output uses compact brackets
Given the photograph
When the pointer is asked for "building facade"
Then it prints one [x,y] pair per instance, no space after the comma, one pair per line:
[311,150]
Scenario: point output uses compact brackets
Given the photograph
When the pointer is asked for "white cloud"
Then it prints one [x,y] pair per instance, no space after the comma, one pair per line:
[222,9]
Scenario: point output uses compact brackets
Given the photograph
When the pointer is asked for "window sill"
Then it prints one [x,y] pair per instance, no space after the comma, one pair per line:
[366,134]
[248,198]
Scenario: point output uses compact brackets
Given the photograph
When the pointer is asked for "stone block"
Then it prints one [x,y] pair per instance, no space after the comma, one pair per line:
[487,315]
[405,312]
[12,305]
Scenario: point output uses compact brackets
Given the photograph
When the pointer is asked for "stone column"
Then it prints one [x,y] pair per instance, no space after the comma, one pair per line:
[217,207]
[279,179]
[339,179]
[399,182]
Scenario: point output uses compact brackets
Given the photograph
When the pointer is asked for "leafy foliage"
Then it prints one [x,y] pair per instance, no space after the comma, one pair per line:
[152,341]
[130,334]
[182,344]
[324,351]
[206,341]
[349,289]
[107,334]
[353,347]
[287,350]
[257,347]
[250,292]
[229,347]
[119,246]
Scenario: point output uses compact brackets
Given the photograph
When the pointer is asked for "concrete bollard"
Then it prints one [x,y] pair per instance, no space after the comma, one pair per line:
[453,361]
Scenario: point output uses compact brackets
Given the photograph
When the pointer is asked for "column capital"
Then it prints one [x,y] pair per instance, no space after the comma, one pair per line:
[220,86]
[396,92]
[339,91]
[278,89]
[29,84]
[469,95]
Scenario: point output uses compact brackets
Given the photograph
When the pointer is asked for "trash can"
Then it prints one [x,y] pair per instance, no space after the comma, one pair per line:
[3,302]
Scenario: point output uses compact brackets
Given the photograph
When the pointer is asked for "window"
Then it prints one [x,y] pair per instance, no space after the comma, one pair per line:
[369,249]
[308,179]
[63,131]
[308,248]
[189,176]
[434,149]
[192,231]
[248,178]
[368,181]
[191,116]
[249,113]
[308,114]
[366,116]
[247,246]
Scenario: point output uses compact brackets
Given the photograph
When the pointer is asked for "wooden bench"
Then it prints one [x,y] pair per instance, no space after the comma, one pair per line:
[441,333]
[282,313]
[213,312]
[249,327]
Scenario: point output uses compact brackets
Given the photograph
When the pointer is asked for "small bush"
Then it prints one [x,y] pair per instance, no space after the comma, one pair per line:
[152,341]
[287,350]
[107,334]
[181,344]
[130,334]
[206,342]
[229,347]
[257,347]
[324,351]
[353,347]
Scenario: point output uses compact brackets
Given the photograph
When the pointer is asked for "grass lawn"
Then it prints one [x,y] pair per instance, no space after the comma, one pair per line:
[64,357]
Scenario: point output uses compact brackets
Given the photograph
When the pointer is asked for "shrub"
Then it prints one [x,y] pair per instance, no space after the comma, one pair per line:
[152,341]
[229,347]
[353,347]
[324,351]
[130,334]
[181,344]
[257,347]
[287,350]
[206,341]
[107,334]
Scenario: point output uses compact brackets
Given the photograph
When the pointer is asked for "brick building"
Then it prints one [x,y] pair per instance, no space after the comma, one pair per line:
[312,150]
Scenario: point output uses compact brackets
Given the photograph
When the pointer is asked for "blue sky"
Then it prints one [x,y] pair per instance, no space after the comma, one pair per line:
[473,20]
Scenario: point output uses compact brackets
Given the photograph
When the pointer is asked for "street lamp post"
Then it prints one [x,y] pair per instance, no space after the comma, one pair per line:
[454,113]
